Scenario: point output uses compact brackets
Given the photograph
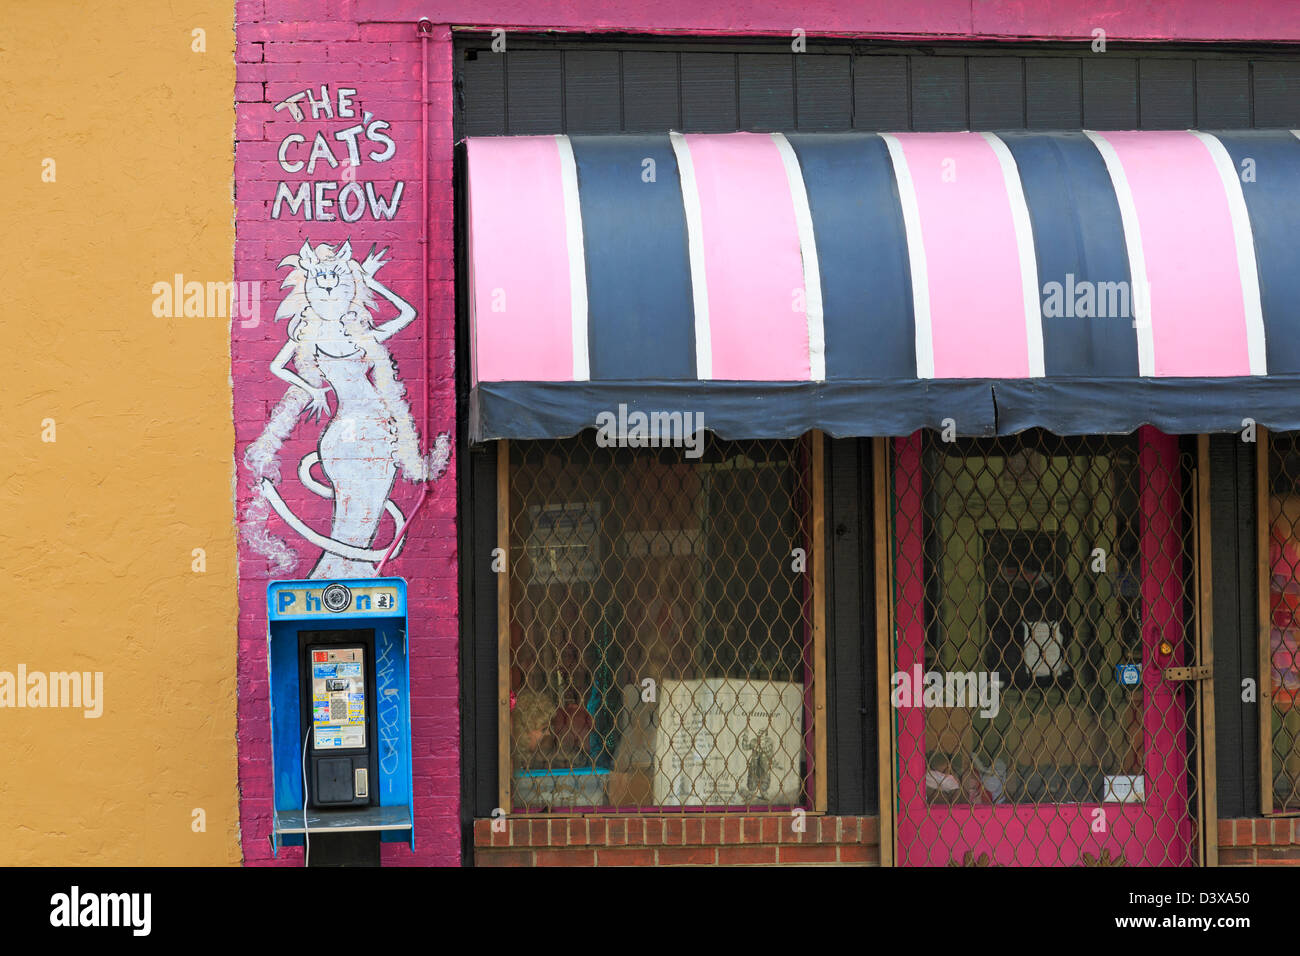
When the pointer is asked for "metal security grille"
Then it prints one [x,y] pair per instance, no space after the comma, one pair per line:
[660,615]
[1282,676]
[1043,587]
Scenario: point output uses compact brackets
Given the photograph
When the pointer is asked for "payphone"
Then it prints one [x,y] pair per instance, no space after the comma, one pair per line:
[336,683]
[340,695]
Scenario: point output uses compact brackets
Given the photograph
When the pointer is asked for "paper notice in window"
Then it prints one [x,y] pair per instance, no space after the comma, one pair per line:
[726,742]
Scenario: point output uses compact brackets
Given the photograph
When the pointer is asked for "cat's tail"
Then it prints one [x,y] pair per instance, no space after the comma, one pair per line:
[439,457]
[262,459]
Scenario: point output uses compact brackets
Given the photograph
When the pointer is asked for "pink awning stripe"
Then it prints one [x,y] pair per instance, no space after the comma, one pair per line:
[522,314]
[758,329]
[1198,323]
[972,258]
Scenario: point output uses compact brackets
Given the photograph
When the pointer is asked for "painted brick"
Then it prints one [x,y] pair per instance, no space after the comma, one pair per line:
[808,854]
[788,834]
[1226,832]
[746,855]
[282,48]
[1236,857]
[827,829]
[577,831]
[687,856]
[1245,833]
[1278,856]
[503,858]
[859,854]
[1267,20]
[539,832]
[570,857]
[626,856]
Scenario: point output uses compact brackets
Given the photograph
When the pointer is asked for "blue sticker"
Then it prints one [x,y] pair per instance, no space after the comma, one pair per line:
[323,670]
[1130,675]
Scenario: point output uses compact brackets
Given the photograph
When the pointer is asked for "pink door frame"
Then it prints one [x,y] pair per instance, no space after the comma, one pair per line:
[1156,832]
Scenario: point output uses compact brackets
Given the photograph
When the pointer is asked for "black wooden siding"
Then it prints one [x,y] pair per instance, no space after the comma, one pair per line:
[585,89]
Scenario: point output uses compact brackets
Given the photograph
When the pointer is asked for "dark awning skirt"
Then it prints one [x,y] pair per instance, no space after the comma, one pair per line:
[871,284]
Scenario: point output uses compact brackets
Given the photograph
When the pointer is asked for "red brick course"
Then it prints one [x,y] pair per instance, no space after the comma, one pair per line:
[677,840]
[1273,841]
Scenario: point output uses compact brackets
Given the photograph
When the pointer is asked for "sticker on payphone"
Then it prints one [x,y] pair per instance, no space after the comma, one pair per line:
[338,698]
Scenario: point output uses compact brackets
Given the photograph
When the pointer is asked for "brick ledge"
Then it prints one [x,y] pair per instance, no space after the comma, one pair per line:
[689,831]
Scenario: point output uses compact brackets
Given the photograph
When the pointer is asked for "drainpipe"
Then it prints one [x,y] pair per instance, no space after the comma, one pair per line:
[424,28]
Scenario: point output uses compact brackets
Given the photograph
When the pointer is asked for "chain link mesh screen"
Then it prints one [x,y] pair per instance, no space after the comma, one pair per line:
[1042,584]
[1284,610]
[660,622]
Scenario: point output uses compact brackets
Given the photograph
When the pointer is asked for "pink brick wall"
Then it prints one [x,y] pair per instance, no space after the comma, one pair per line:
[283,49]
[287,46]
[1216,20]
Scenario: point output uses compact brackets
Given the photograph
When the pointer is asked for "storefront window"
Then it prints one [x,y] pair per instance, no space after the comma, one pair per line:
[1283,649]
[660,619]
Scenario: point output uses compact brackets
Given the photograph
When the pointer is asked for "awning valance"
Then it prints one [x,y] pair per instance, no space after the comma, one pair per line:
[871,284]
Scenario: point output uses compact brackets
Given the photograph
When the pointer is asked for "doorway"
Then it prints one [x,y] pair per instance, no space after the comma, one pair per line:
[1042,589]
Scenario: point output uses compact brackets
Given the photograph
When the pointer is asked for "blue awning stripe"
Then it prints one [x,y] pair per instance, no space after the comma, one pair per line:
[862,250]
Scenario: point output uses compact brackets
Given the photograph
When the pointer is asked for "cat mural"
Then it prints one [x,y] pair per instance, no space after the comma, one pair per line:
[334,346]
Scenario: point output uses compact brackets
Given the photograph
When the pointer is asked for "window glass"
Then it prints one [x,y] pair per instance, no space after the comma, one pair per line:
[660,617]
[1032,566]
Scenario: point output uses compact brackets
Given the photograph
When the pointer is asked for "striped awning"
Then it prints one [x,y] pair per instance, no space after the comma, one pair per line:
[871,284]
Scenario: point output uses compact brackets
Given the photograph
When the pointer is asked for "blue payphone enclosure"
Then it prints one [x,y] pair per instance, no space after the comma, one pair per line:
[323,605]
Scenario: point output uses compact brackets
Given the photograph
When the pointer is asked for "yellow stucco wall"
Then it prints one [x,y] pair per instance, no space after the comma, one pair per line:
[98,528]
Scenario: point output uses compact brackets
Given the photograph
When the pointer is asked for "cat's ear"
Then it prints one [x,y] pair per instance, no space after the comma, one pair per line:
[306,257]
[344,252]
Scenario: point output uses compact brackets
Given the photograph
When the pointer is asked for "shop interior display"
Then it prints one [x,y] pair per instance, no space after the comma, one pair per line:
[638,579]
